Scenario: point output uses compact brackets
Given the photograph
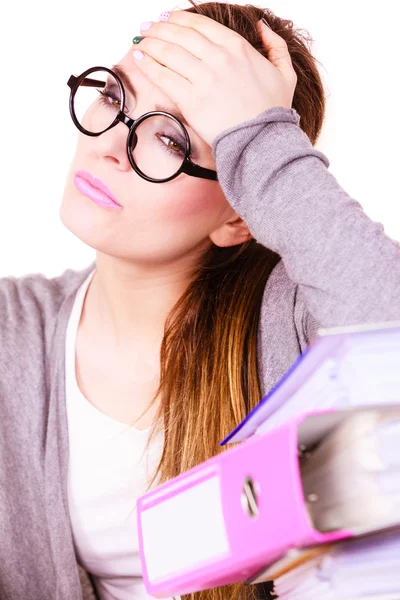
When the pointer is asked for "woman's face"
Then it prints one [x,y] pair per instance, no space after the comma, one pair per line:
[158,222]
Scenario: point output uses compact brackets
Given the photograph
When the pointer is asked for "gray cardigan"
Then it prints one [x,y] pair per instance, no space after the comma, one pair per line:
[337,267]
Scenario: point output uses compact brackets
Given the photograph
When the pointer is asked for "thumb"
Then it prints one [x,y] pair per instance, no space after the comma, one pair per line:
[277,49]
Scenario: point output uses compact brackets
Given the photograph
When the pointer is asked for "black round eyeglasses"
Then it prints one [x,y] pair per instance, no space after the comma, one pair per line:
[97,104]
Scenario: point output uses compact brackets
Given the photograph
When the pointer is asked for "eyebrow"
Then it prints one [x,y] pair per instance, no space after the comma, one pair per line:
[122,74]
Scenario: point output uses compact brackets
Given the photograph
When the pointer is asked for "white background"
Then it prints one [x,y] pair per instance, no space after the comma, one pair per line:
[43,42]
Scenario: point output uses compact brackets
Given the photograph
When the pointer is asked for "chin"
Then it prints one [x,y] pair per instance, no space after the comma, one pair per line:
[86,220]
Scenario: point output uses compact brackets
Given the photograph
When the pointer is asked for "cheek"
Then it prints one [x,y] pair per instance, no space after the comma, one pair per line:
[201,200]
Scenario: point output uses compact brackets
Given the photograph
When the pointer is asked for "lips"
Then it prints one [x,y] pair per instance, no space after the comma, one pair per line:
[97,183]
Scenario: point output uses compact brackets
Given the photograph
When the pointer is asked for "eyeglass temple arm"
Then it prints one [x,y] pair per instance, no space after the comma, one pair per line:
[87,82]
[197,171]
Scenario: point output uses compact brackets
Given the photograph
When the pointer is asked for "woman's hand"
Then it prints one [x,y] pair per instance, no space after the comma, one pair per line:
[214,76]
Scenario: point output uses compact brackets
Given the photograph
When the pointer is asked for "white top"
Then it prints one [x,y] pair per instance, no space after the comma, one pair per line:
[108,470]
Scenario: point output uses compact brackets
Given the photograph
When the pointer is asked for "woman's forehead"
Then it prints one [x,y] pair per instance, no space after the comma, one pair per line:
[140,85]
[152,97]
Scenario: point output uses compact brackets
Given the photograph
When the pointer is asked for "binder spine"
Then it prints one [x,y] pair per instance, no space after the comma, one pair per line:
[256,512]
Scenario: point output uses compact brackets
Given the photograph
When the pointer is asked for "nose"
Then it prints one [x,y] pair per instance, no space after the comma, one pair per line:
[111,146]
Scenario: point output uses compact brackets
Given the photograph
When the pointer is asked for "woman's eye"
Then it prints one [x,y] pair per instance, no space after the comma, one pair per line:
[115,102]
[172,144]
[109,100]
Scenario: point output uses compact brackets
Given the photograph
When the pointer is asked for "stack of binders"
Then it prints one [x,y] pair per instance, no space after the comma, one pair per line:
[311,497]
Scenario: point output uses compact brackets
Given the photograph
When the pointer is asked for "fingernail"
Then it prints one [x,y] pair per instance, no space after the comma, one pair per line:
[138,54]
[164,16]
[137,39]
[146,25]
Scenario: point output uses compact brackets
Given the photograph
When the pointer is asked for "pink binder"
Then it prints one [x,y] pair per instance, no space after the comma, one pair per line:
[226,519]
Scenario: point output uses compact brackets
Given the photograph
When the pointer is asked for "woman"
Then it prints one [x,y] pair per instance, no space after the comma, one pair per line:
[202,295]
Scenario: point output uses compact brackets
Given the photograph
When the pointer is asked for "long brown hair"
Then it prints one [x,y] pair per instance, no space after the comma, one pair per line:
[208,370]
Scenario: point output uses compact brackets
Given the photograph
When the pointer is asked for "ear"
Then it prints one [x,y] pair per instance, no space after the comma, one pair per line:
[231,233]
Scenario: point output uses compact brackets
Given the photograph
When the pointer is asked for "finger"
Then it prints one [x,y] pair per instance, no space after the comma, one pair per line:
[173,57]
[218,34]
[174,85]
[277,49]
[191,39]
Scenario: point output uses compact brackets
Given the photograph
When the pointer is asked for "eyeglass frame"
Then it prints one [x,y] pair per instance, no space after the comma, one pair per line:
[188,166]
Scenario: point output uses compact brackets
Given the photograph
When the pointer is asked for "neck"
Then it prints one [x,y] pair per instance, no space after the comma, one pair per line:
[127,304]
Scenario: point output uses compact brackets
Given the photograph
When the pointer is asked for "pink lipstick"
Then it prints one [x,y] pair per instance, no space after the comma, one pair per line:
[93,188]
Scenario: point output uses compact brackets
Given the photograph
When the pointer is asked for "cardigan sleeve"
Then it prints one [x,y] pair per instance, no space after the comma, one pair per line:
[345,268]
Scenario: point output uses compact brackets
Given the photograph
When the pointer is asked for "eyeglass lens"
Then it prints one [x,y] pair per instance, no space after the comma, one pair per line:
[158,146]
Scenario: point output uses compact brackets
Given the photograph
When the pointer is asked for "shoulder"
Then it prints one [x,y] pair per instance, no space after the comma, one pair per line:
[279,298]
[286,298]
[30,309]
[286,326]
[37,288]
[35,299]
[279,281]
